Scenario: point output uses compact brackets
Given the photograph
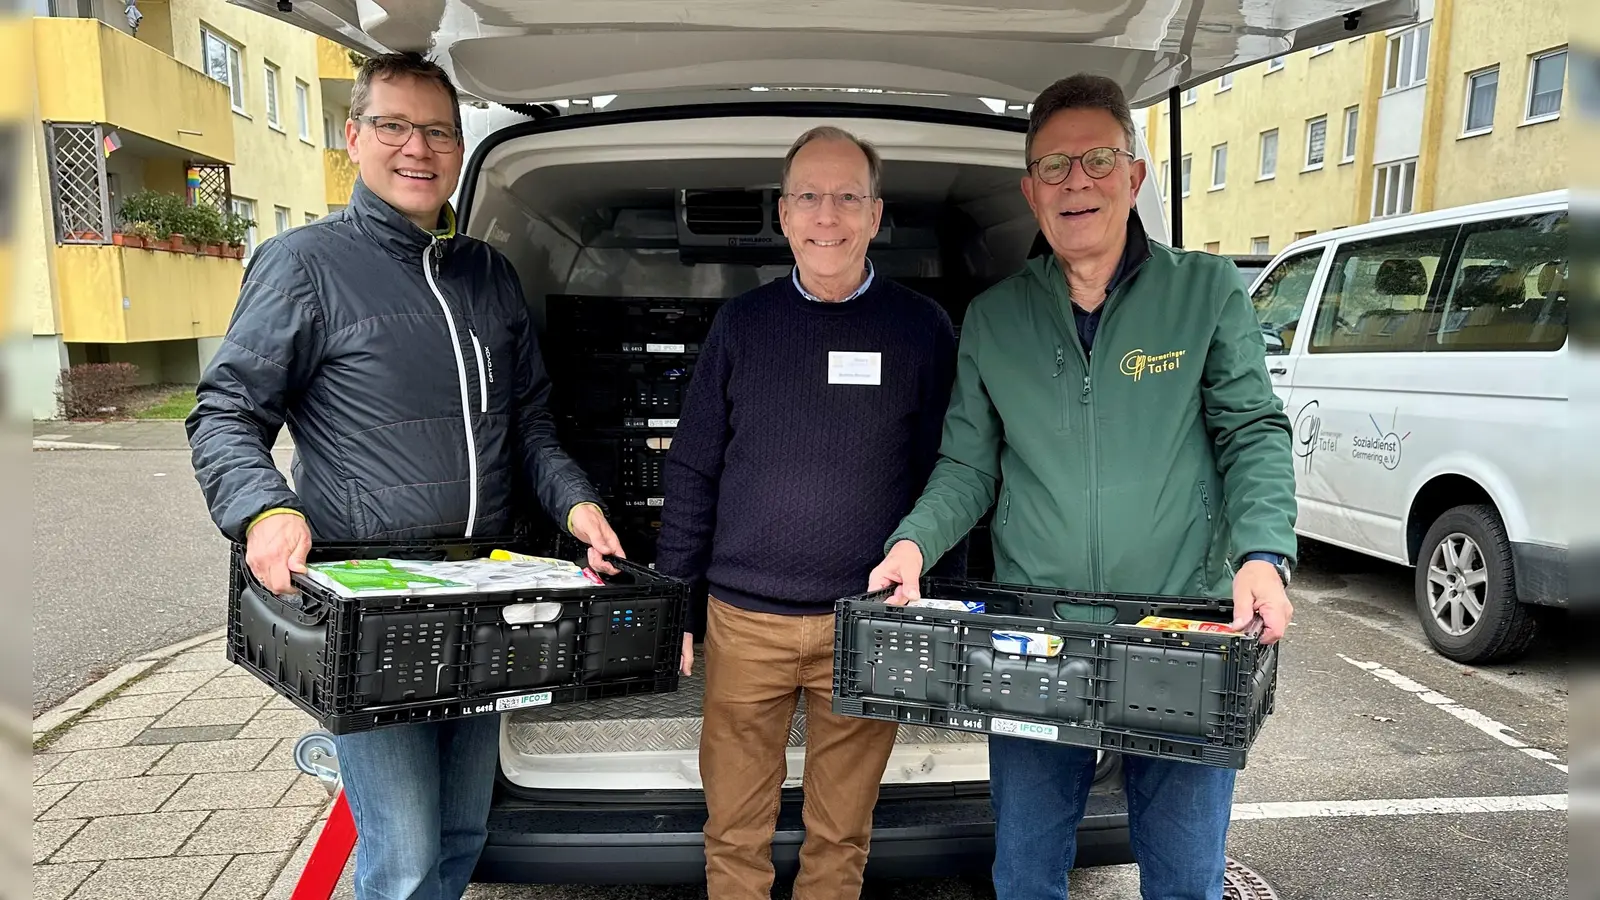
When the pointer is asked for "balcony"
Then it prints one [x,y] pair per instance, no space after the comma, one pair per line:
[339,177]
[91,72]
[333,63]
[121,295]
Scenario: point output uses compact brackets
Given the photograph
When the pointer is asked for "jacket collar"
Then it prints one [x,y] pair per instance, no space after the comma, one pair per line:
[1135,252]
[397,235]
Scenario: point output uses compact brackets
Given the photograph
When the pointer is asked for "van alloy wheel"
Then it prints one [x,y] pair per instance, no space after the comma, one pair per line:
[1458,580]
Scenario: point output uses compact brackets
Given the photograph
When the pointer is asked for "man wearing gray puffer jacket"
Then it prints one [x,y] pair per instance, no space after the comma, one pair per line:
[403,360]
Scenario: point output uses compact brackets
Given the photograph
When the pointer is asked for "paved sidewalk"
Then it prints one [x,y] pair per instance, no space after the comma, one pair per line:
[180,786]
[145,434]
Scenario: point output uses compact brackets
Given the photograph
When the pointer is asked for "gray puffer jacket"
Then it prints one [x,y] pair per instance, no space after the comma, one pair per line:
[406,367]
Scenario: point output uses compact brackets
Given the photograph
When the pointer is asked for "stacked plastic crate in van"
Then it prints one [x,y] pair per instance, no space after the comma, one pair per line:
[620,370]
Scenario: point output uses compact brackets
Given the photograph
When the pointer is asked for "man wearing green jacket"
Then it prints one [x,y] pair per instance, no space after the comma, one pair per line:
[1114,395]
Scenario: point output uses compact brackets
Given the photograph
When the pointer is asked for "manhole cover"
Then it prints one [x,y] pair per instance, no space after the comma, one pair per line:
[1240,883]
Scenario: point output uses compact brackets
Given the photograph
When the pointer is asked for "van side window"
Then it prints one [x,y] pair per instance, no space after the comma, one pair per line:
[1281,297]
[1376,298]
[1509,287]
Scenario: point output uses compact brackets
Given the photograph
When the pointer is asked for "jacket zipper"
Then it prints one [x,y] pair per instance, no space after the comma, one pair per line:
[1061,366]
[1205,564]
[461,374]
[483,380]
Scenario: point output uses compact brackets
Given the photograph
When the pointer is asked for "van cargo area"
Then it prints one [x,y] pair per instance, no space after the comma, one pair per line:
[627,232]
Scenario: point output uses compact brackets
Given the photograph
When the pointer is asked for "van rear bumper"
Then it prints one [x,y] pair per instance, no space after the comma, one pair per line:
[1541,573]
[543,843]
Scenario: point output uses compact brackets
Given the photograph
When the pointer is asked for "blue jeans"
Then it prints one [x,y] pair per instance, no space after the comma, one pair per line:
[420,797]
[1178,815]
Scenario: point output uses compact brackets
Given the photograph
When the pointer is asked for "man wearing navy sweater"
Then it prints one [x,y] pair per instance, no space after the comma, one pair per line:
[808,431]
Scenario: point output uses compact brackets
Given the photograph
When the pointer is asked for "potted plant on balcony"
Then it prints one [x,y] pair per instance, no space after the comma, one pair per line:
[235,228]
[137,233]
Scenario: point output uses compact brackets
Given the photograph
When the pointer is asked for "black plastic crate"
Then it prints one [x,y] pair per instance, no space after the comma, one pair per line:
[358,663]
[1198,697]
[621,464]
[637,527]
[647,325]
[621,392]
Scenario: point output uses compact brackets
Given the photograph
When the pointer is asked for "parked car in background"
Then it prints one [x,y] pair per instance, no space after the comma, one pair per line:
[1424,363]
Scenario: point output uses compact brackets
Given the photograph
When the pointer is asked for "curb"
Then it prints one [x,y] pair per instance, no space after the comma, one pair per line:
[72,445]
[79,703]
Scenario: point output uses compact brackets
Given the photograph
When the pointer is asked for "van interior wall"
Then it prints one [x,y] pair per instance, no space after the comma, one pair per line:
[613,229]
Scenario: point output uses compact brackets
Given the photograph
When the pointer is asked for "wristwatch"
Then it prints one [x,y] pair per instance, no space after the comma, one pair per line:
[1279,562]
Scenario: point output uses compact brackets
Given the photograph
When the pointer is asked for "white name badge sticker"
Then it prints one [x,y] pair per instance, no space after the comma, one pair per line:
[855,368]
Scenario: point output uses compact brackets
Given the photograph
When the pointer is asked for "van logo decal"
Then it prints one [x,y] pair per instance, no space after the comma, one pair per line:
[1137,363]
[1309,436]
[1385,448]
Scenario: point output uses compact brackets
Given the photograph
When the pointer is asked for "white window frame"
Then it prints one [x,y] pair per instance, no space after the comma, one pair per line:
[302,97]
[1391,197]
[1352,124]
[1191,96]
[1186,173]
[1166,176]
[235,57]
[1225,83]
[1259,246]
[1215,184]
[282,219]
[310,217]
[1262,172]
[271,76]
[1533,68]
[1310,125]
[1275,64]
[1321,49]
[1466,107]
[1410,62]
[247,209]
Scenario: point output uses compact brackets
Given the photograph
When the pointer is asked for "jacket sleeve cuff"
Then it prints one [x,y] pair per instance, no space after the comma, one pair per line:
[577,506]
[279,510]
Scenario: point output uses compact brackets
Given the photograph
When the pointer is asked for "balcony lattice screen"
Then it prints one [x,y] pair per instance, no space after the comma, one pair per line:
[78,183]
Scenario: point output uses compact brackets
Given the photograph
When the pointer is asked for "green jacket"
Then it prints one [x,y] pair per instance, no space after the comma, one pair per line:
[1151,468]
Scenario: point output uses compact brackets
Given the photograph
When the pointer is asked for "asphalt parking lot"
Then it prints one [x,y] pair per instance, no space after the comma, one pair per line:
[1386,771]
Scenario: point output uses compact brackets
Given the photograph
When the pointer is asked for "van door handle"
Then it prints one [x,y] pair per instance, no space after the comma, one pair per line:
[1279,370]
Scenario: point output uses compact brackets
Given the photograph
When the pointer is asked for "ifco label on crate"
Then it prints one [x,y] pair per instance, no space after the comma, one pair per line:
[664,348]
[1024,729]
[661,423]
[504,703]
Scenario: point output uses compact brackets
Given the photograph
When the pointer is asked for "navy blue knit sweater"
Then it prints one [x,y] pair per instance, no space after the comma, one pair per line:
[781,487]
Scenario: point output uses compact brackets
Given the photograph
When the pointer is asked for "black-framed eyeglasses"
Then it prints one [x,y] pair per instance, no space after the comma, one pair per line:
[395,131]
[1097,163]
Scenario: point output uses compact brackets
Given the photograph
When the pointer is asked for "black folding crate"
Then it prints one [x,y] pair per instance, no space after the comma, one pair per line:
[637,527]
[621,463]
[358,663]
[646,325]
[622,392]
[1194,696]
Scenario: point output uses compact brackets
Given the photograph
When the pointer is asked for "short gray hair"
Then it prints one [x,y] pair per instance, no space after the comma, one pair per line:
[1080,92]
[832,133]
[390,65]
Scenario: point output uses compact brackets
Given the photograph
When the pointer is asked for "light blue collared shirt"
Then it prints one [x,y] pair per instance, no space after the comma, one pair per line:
[795,275]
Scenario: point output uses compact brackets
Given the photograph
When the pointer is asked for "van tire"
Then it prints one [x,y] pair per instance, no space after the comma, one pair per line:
[1506,627]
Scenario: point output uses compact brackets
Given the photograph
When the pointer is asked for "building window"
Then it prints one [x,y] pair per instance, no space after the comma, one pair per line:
[1166,175]
[302,97]
[1225,83]
[1549,71]
[1185,169]
[1316,142]
[224,62]
[1259,246]
[1302,235]
[310,217]
[1408,58]
[1393,188]
[1219,167]
[1352,117]
[1269,155]
[1275,64]
[1321,49]
[1482,88]
[246,209]
[1190,96]
[269,75]
[280,218]
[1213,246]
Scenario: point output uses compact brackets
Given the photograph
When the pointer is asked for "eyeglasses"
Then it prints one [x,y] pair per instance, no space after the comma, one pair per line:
[847,201]
[1097,164]
[396,131]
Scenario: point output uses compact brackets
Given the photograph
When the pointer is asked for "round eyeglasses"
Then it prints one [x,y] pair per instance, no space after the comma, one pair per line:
[1097,164]
[395,131]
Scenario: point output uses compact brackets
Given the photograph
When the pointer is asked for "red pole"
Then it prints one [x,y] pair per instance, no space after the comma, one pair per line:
[328,857]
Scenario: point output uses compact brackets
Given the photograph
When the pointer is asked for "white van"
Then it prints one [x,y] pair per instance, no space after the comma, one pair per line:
[642,161]
[1424,363]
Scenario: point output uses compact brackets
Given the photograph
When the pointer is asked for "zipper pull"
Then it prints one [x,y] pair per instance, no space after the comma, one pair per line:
[1085,389]
[1061,362]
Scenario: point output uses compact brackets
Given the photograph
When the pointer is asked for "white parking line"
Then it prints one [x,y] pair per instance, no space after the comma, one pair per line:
[1313,809]
[1501,732]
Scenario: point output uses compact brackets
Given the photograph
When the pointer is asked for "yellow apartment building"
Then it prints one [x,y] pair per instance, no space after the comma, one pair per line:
[1465,106]
[192,103]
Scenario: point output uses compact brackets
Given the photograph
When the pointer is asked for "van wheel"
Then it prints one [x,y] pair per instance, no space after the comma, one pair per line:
[1466,592]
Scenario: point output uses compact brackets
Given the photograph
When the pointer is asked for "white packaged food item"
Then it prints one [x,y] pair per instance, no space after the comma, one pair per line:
[970,606]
